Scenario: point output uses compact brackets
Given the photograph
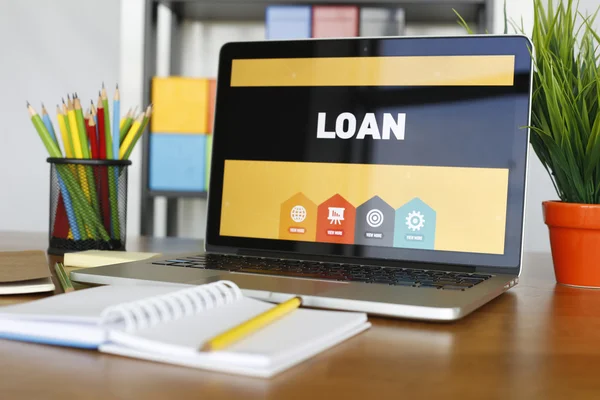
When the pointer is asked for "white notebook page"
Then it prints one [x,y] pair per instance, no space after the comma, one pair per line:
[83,306]
[301,328]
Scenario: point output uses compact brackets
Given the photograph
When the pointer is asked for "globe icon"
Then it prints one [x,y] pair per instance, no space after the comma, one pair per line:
[298,214]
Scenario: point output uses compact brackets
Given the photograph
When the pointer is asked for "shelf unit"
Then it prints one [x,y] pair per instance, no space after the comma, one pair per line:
[477,12]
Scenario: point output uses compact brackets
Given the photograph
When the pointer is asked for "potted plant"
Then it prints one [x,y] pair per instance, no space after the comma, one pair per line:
[565,135]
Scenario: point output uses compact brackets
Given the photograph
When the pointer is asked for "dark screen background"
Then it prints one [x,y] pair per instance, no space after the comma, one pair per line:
[445,126]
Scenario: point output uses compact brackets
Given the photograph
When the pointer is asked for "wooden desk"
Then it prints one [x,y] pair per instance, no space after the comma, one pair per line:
[538,341]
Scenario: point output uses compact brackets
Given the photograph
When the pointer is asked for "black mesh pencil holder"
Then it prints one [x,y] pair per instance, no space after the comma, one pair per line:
[88,205]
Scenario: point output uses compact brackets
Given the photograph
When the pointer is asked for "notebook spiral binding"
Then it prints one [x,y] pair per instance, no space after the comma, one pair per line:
[182,303]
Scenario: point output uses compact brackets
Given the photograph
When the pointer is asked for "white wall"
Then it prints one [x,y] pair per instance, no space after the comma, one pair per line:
[49,49]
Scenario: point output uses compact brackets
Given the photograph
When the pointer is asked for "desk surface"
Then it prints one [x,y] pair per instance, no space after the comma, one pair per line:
[538,341]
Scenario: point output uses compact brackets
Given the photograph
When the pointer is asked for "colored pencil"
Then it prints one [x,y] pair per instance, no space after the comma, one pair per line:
[87,205]
[71,148]
[116,132]
[91,131]
[81,128]
[95,117]
[64,133]
[77,145]
[124,119]
[107,134]
[62,217]
[250,326]
[42,131]
[126,124]
[63,278]
[116,141]
[139,134]
[48,123]
[94,111]
[50,145]
[68,127]
[135,133]
[115,229]
[101,130]
[104,192]
[75,138]
[131,135]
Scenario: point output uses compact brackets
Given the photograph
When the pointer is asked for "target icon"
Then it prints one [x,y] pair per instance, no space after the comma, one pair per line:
[374,218]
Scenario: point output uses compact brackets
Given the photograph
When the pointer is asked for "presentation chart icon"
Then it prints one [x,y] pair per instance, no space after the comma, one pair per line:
[336,215]
[298,219]
[374,223]
[335,221]
[415,225]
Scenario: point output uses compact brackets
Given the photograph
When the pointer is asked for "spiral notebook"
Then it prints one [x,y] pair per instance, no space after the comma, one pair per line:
[169,324]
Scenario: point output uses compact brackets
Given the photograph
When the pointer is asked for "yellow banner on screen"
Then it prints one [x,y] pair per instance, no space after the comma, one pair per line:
[470,202]
[495,70]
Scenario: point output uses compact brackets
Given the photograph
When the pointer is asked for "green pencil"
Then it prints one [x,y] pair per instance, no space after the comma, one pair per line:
[85,149]
[139,132]
[50,144]
[63,278]
[127,122]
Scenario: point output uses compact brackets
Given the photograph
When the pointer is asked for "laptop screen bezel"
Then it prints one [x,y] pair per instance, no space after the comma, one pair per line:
[214,242]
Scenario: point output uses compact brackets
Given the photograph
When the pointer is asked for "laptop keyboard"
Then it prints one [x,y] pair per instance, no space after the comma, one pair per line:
[333,271]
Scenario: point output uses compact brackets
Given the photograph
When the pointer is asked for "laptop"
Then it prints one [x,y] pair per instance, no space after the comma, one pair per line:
[383,175]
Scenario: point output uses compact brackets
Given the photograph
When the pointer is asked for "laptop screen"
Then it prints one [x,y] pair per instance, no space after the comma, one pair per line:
[411,149]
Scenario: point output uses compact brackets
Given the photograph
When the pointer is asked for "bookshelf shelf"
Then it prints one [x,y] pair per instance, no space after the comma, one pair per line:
[479,13]
[254,10]
[169,194]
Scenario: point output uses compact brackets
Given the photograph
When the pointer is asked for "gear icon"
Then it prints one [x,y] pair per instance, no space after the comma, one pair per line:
[415,221]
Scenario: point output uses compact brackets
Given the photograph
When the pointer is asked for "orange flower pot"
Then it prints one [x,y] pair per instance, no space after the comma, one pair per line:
[575,242]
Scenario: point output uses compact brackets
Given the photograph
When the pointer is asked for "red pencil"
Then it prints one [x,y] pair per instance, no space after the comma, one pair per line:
[91,132]
[101,131]
[61,222]
[101,149]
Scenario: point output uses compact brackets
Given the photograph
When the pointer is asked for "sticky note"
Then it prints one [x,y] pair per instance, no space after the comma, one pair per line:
[177,162]
[180,105]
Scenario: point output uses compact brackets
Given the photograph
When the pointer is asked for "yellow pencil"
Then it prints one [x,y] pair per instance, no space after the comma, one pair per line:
[75,136]
[122,122]
[252,325]
[74,129]
[131,135]
[62,126]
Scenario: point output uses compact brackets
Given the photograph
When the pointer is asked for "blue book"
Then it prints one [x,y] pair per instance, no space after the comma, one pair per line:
[288,22]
